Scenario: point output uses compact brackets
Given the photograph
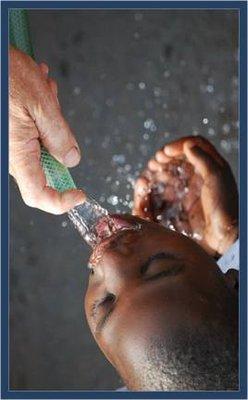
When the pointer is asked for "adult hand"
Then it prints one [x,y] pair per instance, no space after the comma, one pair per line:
[214,207]
[35,118]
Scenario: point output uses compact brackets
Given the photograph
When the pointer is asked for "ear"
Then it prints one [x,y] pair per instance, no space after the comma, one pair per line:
[232,279]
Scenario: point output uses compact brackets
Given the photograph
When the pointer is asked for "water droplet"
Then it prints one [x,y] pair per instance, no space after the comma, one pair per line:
[195,132]
[64,224]
[210,88]
[76,90]
[157,91]
[113,200]
[142,85]
[146,136]
[131,204]
[226,145]
[127,167]
[166,74]
[119,158]
[226,128]
[211,131]
[150,125]
[205,121]
[197,236]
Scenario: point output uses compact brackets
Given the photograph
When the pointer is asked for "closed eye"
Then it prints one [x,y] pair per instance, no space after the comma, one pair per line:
[171,271]
[161,265]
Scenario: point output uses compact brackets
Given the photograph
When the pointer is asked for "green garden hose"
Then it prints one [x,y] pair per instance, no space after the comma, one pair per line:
[57,175]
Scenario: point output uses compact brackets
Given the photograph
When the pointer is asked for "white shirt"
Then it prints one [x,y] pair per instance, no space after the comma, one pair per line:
[230,259]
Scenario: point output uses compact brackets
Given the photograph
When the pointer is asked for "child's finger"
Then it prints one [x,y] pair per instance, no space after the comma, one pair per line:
[176,149]
[161,157]
[141,204]
[166,177]
[205,145]
[154,166]
[203,162]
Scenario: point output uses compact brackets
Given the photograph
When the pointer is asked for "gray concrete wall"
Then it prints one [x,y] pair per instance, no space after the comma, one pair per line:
[129,81]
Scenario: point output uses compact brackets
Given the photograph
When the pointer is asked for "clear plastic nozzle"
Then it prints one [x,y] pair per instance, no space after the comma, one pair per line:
[85,218]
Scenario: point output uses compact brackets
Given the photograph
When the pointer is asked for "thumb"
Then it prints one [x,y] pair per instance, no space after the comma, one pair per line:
[204,164]
[55,133]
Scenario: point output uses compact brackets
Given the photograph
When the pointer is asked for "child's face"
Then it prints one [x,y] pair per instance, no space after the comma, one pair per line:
[148,282]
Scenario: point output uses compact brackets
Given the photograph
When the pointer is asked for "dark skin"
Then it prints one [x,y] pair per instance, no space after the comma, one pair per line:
[152,281]
[211,204]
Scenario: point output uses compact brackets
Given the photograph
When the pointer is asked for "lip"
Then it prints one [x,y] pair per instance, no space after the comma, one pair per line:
[108,226]
[108,229]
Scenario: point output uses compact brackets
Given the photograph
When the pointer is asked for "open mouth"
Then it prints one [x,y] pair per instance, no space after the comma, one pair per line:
[112,224]
[107,229]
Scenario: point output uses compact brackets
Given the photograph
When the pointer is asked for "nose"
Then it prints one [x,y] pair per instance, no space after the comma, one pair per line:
[117,269]
[115,266]
[115,277]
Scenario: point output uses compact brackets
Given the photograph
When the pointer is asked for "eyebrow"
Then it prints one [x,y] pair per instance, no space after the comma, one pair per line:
[158,256]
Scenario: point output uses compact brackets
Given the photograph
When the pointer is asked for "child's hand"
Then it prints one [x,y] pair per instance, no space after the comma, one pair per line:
[211,204]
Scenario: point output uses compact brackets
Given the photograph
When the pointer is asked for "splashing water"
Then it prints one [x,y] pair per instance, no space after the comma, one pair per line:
[85,218]
[94,223]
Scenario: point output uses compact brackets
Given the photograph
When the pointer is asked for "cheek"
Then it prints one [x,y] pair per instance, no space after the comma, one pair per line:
[156,312]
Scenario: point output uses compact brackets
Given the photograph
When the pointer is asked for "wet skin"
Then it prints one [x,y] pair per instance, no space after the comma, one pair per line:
[148,283]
